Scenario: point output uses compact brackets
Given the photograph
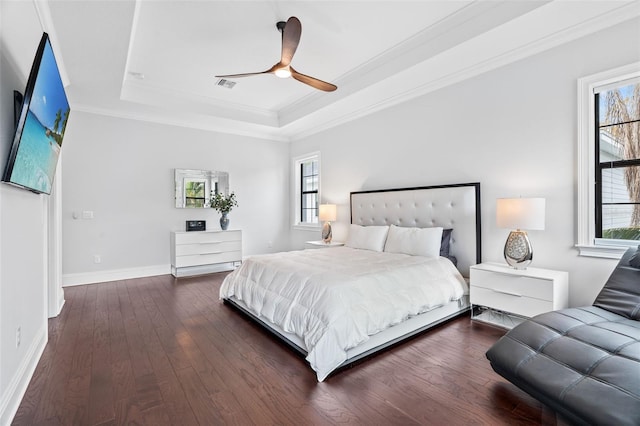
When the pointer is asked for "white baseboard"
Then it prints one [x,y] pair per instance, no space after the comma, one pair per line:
[190,271]
[12,396]
[57,310]
[69,280]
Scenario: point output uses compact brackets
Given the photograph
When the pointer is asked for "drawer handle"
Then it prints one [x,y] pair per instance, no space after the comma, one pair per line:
[210,242]
[508,274]
[507,292]
[211,252]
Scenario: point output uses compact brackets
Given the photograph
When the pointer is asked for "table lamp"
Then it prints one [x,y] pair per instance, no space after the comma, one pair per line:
[327,214]
[520,214]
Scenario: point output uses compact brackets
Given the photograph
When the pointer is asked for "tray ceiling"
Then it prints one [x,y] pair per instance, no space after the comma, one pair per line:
[156,60]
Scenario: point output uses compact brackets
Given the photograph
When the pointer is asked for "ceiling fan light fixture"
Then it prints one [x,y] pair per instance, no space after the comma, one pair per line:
[284,72]
[291,31]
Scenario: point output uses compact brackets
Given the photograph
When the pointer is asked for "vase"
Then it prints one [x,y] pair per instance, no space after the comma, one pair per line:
[224,222]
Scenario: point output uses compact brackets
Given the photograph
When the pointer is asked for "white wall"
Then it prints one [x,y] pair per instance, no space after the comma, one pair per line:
[512,129]
[123,171]
[23,224]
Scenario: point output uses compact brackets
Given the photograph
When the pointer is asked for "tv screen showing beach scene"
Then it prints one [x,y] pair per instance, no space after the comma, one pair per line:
[43,119]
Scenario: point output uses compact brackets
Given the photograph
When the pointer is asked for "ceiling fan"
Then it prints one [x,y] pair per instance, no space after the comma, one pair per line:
[291,32]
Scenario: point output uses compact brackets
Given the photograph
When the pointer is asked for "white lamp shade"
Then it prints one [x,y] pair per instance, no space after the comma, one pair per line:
[327,212]
[520,213]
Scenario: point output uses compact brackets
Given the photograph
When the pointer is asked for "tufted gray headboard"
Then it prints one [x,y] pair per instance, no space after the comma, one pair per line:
[455,206]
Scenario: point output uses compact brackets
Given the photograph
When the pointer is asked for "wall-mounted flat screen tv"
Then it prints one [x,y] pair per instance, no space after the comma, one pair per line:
[41,125]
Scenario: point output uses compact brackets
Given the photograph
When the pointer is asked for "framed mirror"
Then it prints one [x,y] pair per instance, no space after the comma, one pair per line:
[193,187]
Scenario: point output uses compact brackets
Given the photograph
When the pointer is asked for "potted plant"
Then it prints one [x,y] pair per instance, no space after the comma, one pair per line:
[223,204]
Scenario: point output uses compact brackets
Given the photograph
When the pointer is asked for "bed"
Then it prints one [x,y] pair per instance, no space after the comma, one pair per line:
[401,272]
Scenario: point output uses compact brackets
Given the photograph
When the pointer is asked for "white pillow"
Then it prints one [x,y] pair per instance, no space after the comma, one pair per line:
[414,241]
[367,237]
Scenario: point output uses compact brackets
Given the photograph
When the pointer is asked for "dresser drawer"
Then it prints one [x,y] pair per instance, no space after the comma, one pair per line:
[531,287]
[201,252]
[208,248]
[513,303]
[207,258]
[207,237]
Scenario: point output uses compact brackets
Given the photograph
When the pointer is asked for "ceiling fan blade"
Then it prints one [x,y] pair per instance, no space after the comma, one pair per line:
[290,39]
[291,32]
[312,81]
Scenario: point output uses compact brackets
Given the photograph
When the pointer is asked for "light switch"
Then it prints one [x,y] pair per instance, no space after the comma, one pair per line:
[87,214]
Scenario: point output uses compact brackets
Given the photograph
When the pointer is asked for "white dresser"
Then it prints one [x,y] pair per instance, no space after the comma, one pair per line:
[202,252]
[505,296]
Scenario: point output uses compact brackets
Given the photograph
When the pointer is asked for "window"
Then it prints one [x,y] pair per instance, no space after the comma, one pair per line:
[617,117]
[608,162]
[307,177]
[309,191]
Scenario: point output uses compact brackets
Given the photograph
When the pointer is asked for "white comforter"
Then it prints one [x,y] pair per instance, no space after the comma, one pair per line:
[334,299]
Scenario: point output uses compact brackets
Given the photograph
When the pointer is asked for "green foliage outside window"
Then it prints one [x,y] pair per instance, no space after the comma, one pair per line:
[619,163]
[194,193]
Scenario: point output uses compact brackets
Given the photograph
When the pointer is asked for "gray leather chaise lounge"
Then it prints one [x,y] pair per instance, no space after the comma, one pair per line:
[582,362]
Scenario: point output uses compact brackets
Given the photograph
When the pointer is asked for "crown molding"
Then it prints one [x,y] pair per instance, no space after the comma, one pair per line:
[454,29]
[191,121]
[405,86]
[450,51]
[159,96]
[46,22]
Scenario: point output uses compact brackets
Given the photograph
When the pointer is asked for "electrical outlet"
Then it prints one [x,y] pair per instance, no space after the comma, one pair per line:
[270,244]
[97,258]
[18,337]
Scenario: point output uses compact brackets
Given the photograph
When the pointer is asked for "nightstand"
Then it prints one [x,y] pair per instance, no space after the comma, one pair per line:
[505,296]
[321,244]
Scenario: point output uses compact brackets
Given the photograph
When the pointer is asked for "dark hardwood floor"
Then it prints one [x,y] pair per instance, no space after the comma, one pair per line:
[158,350]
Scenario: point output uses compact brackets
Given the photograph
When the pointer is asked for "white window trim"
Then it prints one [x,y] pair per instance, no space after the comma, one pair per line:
[296,192]
[587,244]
